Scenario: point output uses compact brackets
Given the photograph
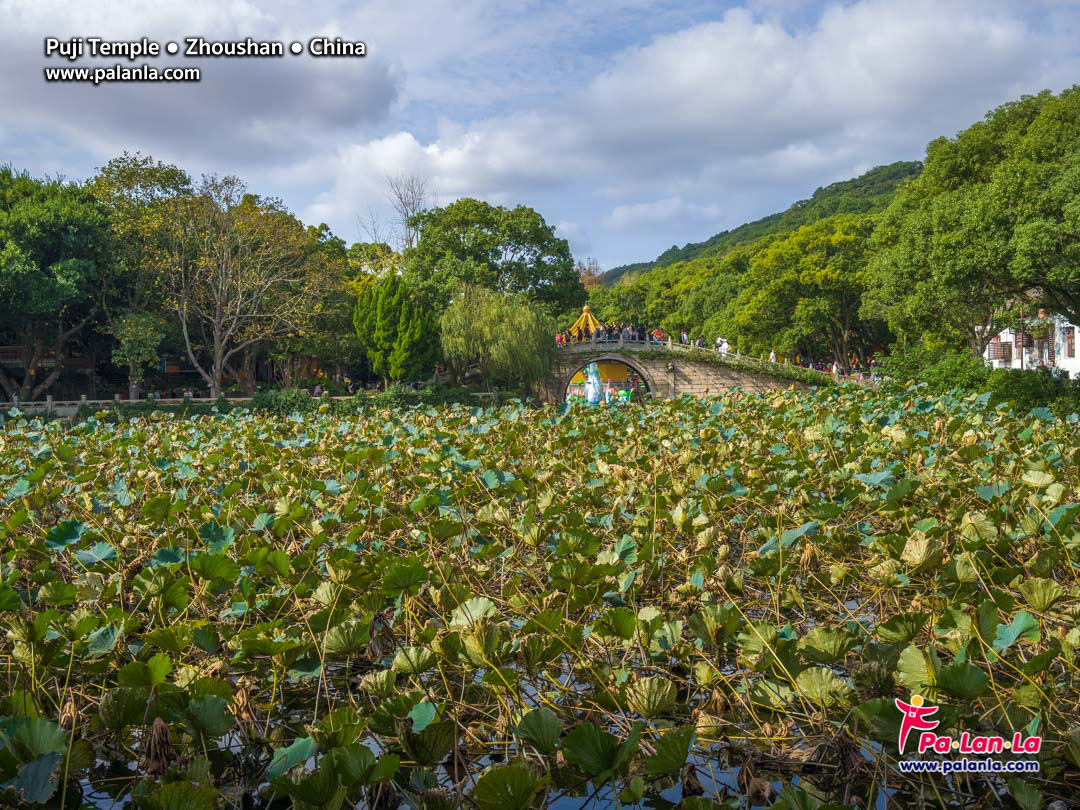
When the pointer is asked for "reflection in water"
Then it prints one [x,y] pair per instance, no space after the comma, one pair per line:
[618,384]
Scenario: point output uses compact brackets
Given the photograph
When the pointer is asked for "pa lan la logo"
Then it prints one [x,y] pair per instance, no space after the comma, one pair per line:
[916,716]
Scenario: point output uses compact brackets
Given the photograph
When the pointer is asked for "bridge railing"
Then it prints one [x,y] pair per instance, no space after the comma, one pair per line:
[669,345]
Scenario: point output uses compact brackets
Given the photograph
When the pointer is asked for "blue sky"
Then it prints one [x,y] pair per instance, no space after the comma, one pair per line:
[631,125]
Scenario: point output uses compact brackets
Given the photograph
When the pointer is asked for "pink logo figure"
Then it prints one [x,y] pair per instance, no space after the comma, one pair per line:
[915,715]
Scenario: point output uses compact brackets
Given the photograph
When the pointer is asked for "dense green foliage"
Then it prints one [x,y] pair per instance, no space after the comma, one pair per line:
[944,371]
[138,336]
[396,330]
[946,256]
[803,292]
[798,293]
[54,265]
[992,218]
[865,194]
[290,402]
[613,601]
[502,249]
[505,337]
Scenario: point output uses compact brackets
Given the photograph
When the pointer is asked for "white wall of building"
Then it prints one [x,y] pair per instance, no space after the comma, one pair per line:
[1060,352]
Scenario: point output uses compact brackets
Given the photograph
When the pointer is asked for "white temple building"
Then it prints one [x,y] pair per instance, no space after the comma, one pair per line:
[1048,342]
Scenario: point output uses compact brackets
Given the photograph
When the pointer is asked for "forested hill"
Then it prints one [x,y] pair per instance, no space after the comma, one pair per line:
[865,194]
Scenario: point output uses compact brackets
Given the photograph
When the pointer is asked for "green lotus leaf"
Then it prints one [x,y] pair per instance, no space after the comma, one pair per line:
[421,715]
[347,637]
[319,790]
[672,749]
[619,623]
[823,687]
[338,728]
[1040,593]
[214,566]
[508,787]
[918,671]
[825,645]
[592,750]
[1026,795]
[210,716]
[714,624]
[96,555]
[380,682]
[36,781]
[484,644]
[902,628]
[123,706]
[962,680]
[35,736]
[1037,479]
[285,759]
[430,746]
[65,534]
[179,796]
[976,526]
[651,696]
[541,728]
[59,594]
[413,660]
[473,611]
[1022,628]
[922,552]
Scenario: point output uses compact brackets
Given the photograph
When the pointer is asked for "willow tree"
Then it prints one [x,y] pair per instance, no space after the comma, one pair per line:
[235,270]
[508,339]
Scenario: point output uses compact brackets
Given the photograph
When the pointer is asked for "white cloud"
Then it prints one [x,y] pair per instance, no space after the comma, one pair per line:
[639,123]
[576,236]
[661,212]
[734,107]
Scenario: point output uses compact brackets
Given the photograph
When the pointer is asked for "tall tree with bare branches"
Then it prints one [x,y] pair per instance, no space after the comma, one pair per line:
[236,270]
[409,195]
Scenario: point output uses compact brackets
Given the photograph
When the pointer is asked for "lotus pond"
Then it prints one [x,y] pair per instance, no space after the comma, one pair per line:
[711,604]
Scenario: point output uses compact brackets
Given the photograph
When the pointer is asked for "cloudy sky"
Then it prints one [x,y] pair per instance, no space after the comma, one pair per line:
[632,125]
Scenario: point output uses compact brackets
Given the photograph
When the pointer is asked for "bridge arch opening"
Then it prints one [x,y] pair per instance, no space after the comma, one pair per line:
[621,380]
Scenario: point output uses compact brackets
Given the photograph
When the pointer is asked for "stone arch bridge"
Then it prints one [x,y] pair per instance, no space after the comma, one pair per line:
[671,369]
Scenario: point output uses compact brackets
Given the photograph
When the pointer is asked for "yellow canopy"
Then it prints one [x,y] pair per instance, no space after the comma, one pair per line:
[586,320]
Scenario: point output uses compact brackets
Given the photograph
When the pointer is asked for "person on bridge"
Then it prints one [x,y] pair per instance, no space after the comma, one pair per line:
[772,356]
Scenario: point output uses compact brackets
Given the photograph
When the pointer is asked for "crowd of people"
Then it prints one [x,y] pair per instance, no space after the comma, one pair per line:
[630,333]
[657,337]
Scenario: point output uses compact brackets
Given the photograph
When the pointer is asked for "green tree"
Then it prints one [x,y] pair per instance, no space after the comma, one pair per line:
[503,249]
[416,348]
[506,336]
[803,292]
[138,335]
[54,266]
[1042,179]
[325,332]
[396,329]
[992,218]
[133,189]
[236,272]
